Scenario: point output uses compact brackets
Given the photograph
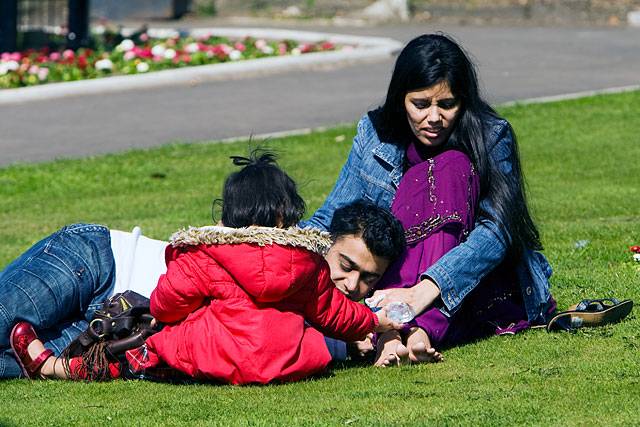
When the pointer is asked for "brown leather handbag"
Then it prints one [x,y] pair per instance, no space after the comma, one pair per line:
[124,322]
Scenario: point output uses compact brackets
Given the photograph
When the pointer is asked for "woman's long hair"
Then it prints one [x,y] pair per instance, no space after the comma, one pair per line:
[433,58]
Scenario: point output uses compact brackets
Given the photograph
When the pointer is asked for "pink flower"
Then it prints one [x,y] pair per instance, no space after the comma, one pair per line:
[129,55]
[34,69]
[282,49]
[68,54]
[144,37]
[240,46]
[260,44]
[192,47]
[43,74]
[5,56]
[55,56]
[15,56]
[204,37]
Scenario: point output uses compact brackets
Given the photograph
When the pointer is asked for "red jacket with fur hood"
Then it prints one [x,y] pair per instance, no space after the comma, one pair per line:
[251,305]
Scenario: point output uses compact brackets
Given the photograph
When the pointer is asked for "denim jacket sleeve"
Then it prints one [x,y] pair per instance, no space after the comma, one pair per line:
[349,186]
[460,270]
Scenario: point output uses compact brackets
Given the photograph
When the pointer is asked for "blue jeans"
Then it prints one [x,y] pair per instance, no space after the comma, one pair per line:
[56,286]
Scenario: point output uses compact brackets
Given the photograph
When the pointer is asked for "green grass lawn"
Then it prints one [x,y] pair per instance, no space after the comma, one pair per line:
[581,160]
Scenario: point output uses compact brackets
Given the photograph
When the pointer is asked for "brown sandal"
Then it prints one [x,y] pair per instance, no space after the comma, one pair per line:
[590,312]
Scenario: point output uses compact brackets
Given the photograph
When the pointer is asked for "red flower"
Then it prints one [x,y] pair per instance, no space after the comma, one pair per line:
[82,62]
[327,46]
[145,53]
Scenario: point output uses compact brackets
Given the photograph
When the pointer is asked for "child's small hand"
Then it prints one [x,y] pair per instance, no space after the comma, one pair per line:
[360,349]
[384,323]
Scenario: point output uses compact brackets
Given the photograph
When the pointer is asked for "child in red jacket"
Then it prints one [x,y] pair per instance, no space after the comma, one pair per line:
[247,302]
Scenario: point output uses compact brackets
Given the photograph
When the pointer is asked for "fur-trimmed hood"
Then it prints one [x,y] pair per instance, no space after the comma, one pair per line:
[309,238]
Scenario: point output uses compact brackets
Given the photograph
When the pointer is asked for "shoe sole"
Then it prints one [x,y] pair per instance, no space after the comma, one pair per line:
[15,353]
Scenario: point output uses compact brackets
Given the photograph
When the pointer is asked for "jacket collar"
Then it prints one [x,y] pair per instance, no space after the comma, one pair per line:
[308,238]
[387,152]
[393,156]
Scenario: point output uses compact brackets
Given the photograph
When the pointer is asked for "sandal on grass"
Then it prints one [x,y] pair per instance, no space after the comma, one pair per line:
[590,312]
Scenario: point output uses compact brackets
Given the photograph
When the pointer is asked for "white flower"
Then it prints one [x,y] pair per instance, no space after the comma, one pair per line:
[260,44]
[234,55]
[12,65]
[34,69]
[268,50]
[169,54]
[142,67]
[158,50]
[3,69]
[104,65]
[192,47]
[296,51]
[125,45]
[99,29]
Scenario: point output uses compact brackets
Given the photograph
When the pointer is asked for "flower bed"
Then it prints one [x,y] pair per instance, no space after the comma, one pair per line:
[139,53]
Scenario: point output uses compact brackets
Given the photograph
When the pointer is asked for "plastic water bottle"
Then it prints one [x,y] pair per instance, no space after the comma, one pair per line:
[400,312]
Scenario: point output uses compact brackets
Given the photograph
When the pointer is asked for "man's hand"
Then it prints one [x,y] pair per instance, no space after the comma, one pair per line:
[419,297]
[384,323]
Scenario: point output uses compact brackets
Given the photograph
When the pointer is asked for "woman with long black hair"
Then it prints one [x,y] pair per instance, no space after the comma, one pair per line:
[448,166]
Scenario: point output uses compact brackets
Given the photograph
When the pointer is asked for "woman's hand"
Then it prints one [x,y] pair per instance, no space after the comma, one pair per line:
[419,297]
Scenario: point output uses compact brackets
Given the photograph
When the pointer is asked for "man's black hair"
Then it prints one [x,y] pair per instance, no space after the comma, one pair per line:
[260,194]
[381,231]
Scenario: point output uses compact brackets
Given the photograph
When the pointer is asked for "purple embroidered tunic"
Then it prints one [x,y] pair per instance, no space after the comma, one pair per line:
[436,202]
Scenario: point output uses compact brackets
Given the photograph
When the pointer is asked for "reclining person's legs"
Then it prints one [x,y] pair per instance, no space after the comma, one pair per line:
[56,286]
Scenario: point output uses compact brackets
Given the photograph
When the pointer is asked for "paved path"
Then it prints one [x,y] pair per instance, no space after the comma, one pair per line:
[513,63]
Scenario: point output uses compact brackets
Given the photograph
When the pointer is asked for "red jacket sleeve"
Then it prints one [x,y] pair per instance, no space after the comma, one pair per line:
[181,290]
[334,314]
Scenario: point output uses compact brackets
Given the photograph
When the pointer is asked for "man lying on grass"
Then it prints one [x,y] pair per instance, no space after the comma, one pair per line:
[241,304]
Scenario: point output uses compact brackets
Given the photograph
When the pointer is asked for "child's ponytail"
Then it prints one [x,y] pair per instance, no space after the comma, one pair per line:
[260,193]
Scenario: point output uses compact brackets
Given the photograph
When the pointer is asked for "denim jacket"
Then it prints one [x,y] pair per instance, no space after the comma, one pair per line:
[373,171]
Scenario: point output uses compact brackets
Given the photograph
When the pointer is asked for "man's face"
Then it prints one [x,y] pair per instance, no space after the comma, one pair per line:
[354,269]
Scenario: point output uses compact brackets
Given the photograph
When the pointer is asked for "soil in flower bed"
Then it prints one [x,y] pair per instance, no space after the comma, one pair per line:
[113,54]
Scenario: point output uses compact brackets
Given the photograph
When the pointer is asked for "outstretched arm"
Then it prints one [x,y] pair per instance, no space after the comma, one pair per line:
[337,316]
